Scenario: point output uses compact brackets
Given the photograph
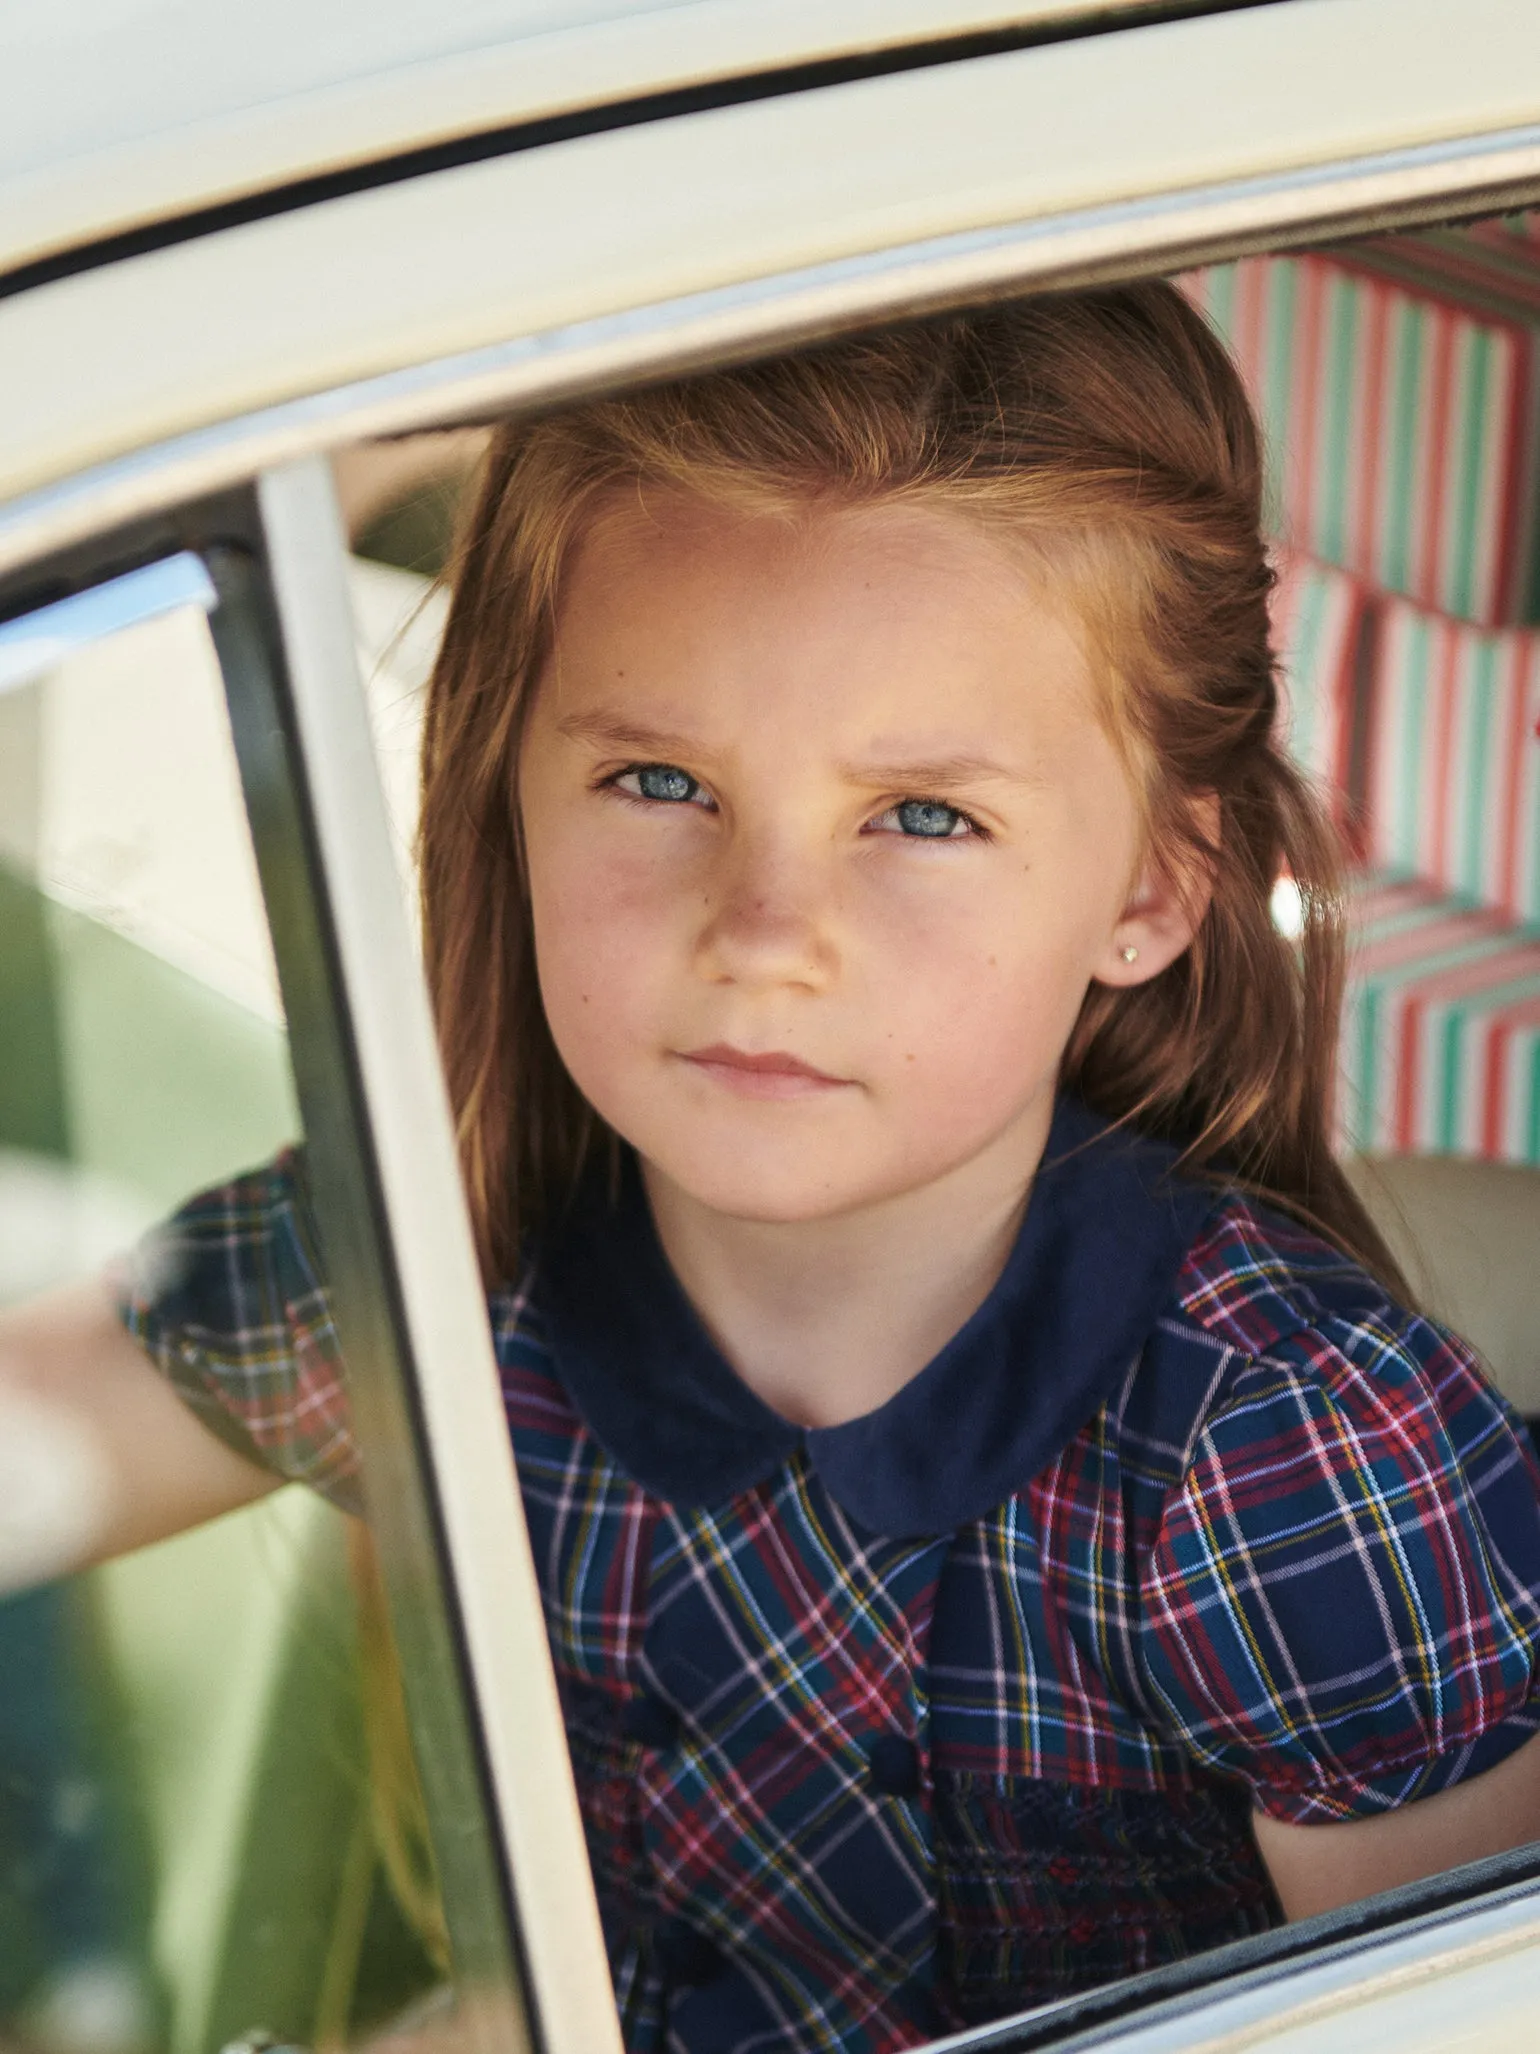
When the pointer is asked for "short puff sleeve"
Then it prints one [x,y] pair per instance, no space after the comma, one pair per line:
[1342,1604]
[227,1300]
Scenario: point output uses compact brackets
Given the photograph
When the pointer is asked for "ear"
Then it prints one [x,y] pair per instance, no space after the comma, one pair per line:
[1166,906]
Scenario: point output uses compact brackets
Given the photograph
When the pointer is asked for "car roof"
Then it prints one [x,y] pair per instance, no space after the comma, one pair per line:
[754,222]
[118,113]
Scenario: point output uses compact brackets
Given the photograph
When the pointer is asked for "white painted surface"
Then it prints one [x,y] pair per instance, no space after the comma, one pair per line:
[118,112]
[355,288]
[120,795]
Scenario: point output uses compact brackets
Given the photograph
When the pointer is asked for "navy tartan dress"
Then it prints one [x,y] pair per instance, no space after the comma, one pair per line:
[896,1726]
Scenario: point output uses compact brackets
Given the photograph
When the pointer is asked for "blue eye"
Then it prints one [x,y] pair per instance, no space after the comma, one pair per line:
[929,819]
[664,782]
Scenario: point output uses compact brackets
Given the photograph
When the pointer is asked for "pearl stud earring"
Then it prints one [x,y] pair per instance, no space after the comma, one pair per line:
[1129,954]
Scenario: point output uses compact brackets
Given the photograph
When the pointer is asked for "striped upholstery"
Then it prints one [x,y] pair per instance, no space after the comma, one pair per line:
[1511,228]
[1318,619]
[1441,1042]
[1396,390]
[1441,1036]
[1454,773]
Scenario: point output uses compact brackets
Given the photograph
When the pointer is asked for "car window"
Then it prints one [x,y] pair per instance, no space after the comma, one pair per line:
[1389,378]
[218,1815]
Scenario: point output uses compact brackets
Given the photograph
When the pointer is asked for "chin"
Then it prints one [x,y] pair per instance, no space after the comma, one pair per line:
[771,1192]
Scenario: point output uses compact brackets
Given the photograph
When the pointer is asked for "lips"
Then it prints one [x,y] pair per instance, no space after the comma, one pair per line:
[773,1074]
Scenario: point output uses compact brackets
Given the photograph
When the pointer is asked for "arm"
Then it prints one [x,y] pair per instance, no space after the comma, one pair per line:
[1318,1868]
[1343,1601]
[97,1452]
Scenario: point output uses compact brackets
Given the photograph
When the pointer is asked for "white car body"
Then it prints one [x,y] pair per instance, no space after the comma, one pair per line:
[236,239]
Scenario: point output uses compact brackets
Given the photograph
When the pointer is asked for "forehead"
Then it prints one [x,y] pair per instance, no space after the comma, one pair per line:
[642,527]
[666,585]
[903,630]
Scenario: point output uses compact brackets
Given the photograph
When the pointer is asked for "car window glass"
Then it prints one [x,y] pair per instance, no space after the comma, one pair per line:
[191,1843]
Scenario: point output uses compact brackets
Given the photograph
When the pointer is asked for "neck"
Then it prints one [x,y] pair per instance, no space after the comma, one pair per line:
[827,1319]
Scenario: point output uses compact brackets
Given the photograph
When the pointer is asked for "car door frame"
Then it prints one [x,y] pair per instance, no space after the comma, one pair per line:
[256,481]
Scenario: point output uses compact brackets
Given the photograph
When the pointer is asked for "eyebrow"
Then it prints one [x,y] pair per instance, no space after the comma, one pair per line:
[915,774]
[964,767]
[612,731]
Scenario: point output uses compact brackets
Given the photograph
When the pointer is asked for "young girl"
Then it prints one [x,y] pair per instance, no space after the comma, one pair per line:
[999,1527]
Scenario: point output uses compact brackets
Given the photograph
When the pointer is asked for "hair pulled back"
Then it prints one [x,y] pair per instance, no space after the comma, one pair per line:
[1107,431]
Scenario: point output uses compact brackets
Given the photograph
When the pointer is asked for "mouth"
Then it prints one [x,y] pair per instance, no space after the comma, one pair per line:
[771,1075]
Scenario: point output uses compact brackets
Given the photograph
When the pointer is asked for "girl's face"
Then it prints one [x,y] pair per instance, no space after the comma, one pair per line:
[825,841]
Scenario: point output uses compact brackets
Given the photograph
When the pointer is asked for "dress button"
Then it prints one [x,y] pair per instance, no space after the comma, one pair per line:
[685,1955]
[651,1721]
[894,1765]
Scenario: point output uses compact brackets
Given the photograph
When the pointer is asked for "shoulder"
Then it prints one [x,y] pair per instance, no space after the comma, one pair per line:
[1307,1347]
[232,1265]
[1342,1592]
[228,1299]
[1332,1390]
[1253,1277]
[1268,1321]
[542,1419]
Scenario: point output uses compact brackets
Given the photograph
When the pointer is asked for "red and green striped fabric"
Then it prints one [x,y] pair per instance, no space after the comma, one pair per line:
[1318,620]
[1397,390]
[1441,1033]
[1507,230]
[1453,779]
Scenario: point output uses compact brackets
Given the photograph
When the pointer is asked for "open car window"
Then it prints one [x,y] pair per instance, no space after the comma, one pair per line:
[1390,376]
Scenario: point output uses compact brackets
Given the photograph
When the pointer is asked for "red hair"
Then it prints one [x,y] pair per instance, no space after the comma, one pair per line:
[1109,432]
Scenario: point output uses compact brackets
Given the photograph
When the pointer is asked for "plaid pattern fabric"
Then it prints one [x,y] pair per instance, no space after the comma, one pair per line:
[227,1299]
[844,1791]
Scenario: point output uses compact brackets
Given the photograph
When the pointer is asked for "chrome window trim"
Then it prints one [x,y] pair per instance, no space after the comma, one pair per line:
[1163,231]
[1259,2007]
[33,643]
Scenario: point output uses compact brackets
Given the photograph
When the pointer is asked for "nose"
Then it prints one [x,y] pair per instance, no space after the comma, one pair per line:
[769,919]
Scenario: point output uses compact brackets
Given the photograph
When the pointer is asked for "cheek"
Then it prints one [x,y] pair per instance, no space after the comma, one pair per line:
[978,992]
[605,945]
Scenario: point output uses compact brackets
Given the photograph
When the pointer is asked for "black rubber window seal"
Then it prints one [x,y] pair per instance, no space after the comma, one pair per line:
[476,148]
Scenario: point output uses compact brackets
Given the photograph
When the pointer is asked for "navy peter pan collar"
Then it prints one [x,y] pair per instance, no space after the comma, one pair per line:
[1105,1232]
